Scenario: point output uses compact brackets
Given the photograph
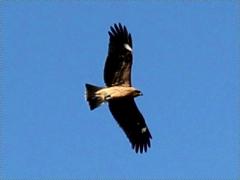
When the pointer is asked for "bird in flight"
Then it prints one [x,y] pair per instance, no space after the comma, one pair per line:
[119,92]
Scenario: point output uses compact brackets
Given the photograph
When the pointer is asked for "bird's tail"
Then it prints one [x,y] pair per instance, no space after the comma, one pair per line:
[93,98]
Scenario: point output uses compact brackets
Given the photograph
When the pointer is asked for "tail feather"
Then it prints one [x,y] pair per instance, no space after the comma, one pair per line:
[93,99]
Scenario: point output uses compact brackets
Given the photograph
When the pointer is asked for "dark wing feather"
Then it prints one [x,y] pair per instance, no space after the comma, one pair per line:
[132,122]
[117,70]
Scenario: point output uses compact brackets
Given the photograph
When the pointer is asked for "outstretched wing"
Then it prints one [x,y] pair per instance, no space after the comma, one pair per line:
[117,70]
[132,122]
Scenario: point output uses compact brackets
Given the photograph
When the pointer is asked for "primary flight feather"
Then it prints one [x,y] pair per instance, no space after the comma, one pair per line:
[119,92]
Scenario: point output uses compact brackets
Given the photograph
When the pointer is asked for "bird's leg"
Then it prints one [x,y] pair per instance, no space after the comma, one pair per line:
[107,97]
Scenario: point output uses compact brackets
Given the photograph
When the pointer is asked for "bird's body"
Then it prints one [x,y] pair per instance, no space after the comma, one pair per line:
[119,92]
[105,94]
[116,92]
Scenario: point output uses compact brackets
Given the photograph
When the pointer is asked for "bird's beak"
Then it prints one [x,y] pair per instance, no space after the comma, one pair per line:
[141,94]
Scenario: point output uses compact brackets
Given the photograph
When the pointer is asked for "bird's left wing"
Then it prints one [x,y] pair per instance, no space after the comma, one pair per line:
[132,122]
[117,70]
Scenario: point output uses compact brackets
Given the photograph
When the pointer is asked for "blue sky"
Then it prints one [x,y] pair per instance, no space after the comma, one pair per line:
[186,62]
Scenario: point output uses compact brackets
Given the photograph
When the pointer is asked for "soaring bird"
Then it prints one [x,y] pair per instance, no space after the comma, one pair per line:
[119,92]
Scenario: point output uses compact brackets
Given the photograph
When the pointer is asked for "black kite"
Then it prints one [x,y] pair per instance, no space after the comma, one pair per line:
[119,92]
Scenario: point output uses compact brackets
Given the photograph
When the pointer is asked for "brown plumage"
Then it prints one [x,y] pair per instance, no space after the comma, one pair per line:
[119,92]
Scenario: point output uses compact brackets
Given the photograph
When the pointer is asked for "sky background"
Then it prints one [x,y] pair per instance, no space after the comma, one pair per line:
[186,62]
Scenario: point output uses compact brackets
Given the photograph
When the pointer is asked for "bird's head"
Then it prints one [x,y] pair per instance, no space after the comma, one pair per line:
[137,93]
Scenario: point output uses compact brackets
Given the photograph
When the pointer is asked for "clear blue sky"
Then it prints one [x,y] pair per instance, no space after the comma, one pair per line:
[186,62]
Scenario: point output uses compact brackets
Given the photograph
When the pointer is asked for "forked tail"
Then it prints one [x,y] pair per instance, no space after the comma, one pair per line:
[93,99]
